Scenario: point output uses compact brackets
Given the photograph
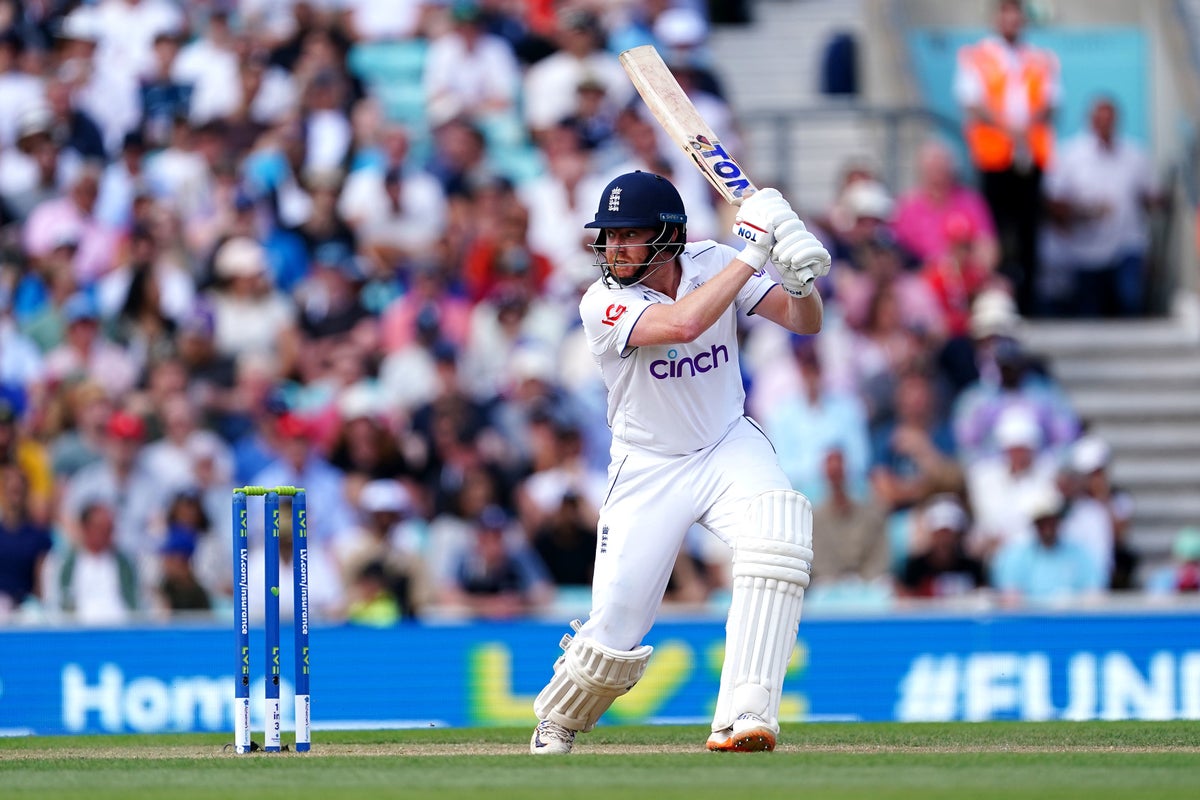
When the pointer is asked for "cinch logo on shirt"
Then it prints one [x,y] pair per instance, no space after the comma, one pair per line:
[689,366]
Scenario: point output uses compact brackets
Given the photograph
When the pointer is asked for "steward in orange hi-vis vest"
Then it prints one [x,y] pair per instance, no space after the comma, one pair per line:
[1034,75]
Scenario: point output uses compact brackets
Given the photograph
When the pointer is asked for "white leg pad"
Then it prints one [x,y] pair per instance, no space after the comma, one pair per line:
[588,677]
[772,562]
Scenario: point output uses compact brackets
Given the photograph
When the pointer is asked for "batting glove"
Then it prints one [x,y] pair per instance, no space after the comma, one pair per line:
[797,249]
[755,224]
[797,283]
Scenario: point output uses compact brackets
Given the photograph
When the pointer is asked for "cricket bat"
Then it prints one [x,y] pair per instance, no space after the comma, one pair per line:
[679,118]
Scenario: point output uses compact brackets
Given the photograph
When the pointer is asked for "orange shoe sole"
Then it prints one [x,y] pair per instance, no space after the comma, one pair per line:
[754,740]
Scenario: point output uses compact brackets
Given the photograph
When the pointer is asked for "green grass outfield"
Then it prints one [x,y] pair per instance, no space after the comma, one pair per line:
[1093,760]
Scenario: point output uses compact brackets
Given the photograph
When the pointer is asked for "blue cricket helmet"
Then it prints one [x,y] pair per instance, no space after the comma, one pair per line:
[639,200]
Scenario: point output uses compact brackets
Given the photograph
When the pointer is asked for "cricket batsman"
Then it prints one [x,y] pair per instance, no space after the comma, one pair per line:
[661,322]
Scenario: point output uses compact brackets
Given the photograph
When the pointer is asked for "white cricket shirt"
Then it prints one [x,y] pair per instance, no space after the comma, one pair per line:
[670,399]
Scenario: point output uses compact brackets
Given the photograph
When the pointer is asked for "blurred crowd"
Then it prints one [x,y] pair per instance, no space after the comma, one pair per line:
[227,260]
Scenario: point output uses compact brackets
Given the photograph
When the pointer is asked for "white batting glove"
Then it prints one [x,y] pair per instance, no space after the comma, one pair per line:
[797,283]
[755,224]
[797,249]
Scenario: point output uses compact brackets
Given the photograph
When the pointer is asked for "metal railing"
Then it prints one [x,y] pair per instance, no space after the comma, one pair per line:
[895,131]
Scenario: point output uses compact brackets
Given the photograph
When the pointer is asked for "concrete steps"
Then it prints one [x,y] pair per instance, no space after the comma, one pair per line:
[1137,384]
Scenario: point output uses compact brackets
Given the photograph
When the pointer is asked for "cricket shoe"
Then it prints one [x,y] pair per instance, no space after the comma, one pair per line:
[749,733]
[550,738]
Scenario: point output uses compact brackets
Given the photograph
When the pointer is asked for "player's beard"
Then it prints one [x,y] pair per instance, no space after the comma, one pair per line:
[663,251]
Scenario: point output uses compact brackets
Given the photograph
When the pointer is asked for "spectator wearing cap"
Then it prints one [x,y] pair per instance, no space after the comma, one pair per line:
[87,352]
[1045,568]
[529,388]
[35,169]
[73,215]
[298,463]
[957,276]
[549,85]
[593,122]
[202,512]
[861,211]
[392,535]
[211,374]
[497,576]
[121,481]
[24,544]
[179,590]
[470,71]
[961,359]
[249,313]
[680,33]
[366,445]
[329,299]
[1098,514]
[396,209]
[942,568]
[933,217]
[1001,486]
[1008,376]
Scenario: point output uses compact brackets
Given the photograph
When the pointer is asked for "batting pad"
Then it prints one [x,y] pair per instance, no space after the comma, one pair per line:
[588,677]
[771,566]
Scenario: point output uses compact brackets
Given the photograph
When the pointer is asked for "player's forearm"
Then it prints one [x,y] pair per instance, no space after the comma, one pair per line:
[805,315]
[691,316]
[802,315]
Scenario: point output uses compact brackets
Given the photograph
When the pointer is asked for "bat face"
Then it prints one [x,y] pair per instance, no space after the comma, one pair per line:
[712,159]
[679,118]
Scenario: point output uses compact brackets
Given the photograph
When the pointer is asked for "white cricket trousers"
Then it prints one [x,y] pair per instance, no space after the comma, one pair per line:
[652,501]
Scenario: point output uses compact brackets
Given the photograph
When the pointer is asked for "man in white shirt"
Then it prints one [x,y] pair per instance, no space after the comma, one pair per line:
[95,582]
[662,325]
[1098,191]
